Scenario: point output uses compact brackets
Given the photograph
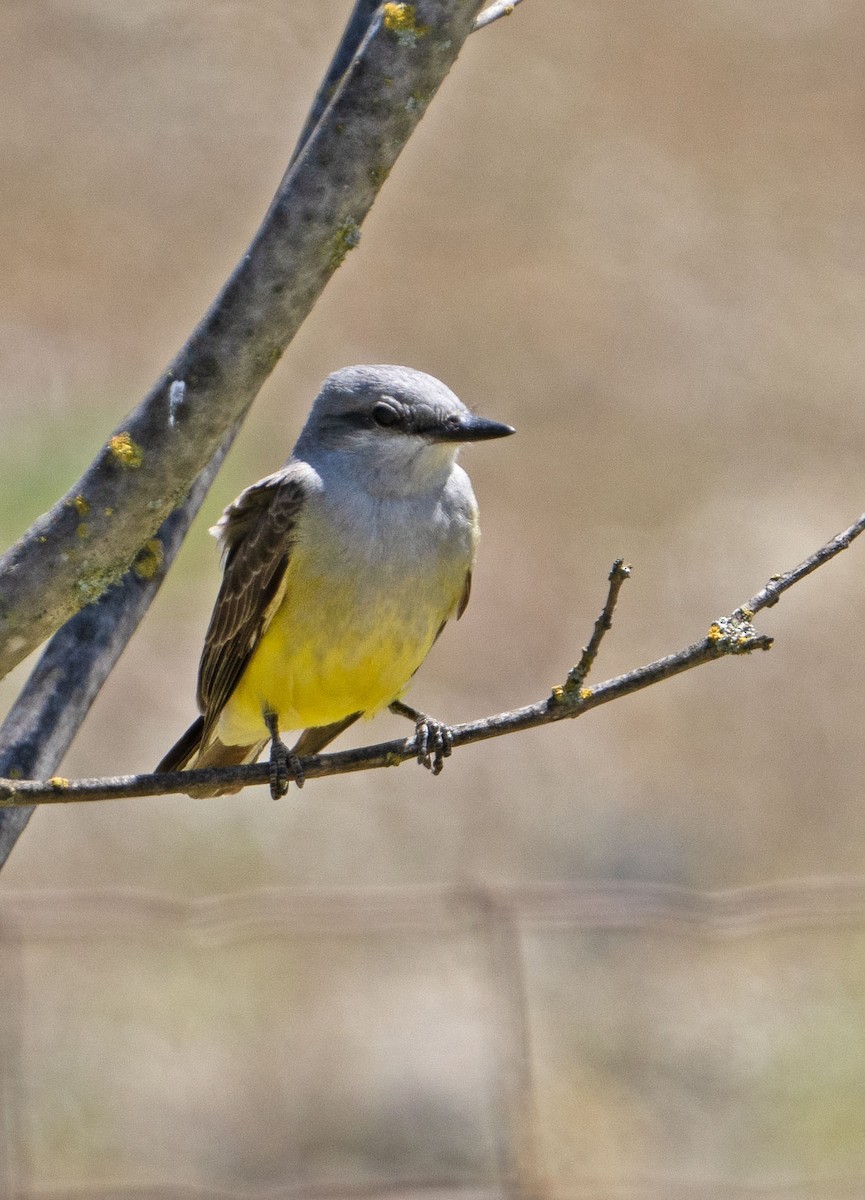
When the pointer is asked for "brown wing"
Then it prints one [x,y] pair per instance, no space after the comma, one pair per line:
[461,608]
[257,532]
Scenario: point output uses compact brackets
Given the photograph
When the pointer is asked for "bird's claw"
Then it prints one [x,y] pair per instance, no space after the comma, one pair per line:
[279,774]
[284,767]
[284,763]
[434,742]
[297,772]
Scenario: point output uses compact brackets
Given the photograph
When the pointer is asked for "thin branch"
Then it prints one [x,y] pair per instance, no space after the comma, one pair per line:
[89,538]
[502,8]
[732,635]
[578,674]
[778,584]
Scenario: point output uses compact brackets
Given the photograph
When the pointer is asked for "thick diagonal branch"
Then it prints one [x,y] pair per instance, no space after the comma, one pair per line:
[70,673]
[90,537]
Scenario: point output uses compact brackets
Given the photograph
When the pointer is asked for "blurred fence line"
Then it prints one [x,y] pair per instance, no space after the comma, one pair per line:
[575,1041]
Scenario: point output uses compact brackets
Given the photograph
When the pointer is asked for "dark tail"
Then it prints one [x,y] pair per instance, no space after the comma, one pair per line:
[216,754]
[189,752]
[181,752]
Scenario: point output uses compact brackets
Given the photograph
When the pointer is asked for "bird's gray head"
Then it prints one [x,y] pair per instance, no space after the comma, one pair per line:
[394,421]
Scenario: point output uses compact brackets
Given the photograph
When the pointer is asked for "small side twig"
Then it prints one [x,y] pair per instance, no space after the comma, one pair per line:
[577,676]
[502,8]
[732,635]
[314,220]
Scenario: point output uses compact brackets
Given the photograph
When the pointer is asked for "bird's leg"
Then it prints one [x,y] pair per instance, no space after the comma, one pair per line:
[434,739]
[284,763]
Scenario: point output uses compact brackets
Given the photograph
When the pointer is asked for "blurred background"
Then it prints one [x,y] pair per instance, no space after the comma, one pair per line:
[622,959]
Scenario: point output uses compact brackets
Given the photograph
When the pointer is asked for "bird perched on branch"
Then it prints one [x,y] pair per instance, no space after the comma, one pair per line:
[340,571]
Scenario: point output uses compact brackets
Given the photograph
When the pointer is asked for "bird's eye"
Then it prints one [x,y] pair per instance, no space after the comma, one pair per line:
[385,415]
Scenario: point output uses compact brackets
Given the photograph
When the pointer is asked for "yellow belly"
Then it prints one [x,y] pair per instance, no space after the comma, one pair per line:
[336,649]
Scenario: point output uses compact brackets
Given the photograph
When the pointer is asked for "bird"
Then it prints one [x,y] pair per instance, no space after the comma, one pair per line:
[340,570]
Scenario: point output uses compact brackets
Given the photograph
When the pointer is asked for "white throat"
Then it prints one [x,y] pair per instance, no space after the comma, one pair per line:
[390,466]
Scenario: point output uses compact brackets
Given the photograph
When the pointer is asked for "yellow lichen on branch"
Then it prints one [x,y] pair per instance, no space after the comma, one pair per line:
[401,20]
[149,559]
[128,453]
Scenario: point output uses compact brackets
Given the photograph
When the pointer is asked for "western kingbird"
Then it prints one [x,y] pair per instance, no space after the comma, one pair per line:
[340,571]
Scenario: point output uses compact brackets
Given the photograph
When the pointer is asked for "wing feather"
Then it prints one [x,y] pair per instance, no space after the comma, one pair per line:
[257,533]
[467,591]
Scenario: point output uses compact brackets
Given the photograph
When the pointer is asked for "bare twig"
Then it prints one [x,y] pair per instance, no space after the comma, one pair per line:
[90,537]
[778,584]
[727,636]
[502,8]
[578,674]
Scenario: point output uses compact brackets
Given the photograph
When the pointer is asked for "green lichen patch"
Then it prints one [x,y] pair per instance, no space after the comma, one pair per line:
[94,582]
[347,237]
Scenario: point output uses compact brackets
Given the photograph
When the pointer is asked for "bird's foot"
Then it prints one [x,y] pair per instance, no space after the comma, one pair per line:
[279,772]
[434,743]
[284,763]
[433,739]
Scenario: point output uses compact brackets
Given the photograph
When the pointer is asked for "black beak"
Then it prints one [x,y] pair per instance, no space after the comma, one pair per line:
[471,429]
